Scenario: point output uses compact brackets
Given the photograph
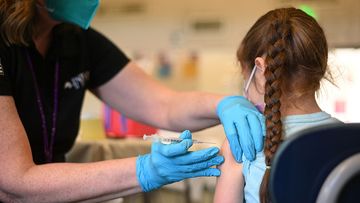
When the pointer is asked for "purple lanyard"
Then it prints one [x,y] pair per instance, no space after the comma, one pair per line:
[48,146]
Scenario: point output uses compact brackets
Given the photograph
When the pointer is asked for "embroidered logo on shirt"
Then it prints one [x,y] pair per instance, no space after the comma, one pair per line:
[1,69]
[78,81]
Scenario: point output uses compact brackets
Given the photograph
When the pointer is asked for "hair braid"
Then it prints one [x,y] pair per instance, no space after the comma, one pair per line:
[276,63]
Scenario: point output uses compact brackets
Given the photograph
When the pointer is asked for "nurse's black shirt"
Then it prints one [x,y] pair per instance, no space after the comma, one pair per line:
[87,60]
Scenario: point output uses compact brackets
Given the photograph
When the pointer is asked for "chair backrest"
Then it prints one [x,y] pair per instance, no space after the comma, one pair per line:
[305,160]
[344,177]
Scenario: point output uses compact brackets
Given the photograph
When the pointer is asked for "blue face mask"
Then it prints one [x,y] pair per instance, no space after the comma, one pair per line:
[78,12]
[259,106]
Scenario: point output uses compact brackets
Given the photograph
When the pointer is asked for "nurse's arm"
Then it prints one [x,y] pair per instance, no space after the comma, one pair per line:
[138,96]
[230,184]
[21,180]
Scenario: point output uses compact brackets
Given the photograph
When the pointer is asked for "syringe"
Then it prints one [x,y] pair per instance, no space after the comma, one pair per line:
[169,140]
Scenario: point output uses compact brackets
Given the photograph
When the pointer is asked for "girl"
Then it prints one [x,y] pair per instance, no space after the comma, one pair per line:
[283,58]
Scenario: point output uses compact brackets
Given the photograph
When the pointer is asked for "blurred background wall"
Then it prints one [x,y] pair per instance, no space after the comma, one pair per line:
[191,44]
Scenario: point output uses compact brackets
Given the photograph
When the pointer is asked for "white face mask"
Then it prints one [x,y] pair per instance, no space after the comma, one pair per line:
[259,106]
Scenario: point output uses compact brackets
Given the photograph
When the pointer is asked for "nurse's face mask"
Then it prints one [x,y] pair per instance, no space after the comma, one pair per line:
[259,106]
[78,12]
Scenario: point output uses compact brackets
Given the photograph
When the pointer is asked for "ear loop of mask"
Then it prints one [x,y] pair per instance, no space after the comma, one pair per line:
[247,85]
[260,106]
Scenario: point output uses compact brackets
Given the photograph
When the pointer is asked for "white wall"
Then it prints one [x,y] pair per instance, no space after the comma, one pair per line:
[342,99]
[162,19]
[165,26]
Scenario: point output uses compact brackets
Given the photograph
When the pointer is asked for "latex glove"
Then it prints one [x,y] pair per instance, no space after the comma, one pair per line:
[244,126]
[168,163]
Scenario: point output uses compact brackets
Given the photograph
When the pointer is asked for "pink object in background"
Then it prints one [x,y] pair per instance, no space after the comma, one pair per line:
[340,106]
[118,126]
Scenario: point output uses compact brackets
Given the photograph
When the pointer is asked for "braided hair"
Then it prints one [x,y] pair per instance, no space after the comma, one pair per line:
[276,62]
[295,51]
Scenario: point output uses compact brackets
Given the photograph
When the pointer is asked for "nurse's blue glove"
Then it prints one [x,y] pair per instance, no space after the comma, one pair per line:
[169,163]
[244,126]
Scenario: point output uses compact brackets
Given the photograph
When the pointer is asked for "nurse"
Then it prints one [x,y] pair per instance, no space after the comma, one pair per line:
[48,58]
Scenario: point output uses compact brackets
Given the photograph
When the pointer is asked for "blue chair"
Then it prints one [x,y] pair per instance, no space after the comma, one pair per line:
[319,165]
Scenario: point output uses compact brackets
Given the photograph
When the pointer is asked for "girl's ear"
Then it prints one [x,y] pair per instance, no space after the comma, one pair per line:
[260,64]
[260,74]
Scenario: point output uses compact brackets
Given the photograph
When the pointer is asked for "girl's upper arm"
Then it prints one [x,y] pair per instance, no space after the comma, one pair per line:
[230,184]
[15,151]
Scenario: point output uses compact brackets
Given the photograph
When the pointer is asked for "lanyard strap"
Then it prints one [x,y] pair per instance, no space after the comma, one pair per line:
[48,144]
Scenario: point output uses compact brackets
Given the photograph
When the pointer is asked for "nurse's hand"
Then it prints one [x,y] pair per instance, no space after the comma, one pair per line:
[244,126]
[173,162]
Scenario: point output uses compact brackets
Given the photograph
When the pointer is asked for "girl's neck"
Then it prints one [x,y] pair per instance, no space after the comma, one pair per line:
[304,105]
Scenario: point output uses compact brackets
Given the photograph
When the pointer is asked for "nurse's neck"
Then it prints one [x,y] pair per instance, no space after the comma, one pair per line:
[44,25]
